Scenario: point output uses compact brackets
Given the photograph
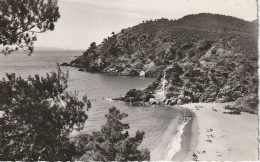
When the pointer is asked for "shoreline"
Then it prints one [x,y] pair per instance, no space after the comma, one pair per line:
[189,141]
[169,142]
[213,135]
[112,73]
[175,144]
[219,136]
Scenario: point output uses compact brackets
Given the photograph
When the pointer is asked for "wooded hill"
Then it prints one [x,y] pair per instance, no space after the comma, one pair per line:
[203,58]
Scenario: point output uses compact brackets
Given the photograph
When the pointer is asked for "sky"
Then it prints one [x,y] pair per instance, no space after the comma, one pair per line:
[86,21]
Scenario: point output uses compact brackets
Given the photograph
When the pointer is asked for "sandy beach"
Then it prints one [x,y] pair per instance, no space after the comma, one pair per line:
[219,136]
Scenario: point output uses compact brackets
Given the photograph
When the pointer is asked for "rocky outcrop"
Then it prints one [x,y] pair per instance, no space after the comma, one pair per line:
[134,95]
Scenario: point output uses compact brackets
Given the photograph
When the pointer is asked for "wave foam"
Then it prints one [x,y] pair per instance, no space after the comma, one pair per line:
[170,142]
[175,143]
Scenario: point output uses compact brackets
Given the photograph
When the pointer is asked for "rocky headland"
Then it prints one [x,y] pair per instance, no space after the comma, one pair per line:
[198,58]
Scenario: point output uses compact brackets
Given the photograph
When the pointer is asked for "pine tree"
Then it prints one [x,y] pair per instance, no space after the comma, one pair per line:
[20,20]
[112,142]
[39,115]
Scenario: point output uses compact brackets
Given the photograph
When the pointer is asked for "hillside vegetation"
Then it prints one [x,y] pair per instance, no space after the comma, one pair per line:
[198,58]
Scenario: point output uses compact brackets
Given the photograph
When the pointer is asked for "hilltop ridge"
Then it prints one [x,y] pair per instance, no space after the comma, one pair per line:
[198,58]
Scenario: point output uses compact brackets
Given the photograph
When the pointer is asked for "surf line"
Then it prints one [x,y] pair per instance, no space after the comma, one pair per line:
[175,143]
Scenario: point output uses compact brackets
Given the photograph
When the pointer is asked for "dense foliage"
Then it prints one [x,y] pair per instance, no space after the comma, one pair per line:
[20,20]
[207,57]
[112,142]
[38,117]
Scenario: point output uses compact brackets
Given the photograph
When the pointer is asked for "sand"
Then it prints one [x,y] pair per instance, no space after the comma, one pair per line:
[223,136]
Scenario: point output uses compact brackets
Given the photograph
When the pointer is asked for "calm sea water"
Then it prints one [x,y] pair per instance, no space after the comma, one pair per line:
[159,123]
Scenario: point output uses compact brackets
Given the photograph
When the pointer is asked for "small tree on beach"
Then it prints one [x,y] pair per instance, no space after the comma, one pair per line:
[39,115]
[112,142]
[20,20]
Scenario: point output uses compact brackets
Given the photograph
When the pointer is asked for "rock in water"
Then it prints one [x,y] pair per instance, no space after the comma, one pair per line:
[64,64]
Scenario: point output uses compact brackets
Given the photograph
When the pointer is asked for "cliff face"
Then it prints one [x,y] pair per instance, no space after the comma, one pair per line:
[198,58]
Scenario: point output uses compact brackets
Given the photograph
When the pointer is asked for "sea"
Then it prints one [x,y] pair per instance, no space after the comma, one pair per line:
[162,125]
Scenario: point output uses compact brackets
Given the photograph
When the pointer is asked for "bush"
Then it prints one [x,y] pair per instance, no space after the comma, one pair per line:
[248,103]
